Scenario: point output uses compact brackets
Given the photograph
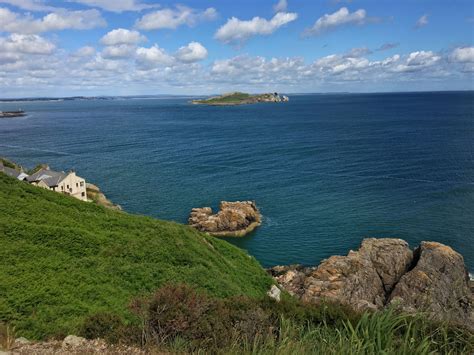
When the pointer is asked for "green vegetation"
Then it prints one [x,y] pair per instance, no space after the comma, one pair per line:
[72,267]
[234,97]
[62,260]
[179,319]
[10,164]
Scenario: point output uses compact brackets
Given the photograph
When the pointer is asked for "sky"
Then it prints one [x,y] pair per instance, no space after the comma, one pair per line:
[142,47]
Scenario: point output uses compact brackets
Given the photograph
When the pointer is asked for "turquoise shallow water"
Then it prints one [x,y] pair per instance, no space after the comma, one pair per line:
[326,170]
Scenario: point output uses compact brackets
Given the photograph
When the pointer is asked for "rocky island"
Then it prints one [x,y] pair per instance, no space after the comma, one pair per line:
[234,219]
[385,272]
[8,114]
[240,98]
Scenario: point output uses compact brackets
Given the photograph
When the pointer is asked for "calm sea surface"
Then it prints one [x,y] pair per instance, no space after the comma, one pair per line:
[325,170]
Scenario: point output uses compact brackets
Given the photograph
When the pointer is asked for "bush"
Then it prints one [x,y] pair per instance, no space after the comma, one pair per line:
[102,325]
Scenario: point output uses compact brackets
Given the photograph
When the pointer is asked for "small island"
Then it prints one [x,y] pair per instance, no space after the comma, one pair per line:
[8,114]
[241,98]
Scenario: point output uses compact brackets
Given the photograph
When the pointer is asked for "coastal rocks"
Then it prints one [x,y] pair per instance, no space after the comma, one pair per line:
[94,194]
[437,285]
[73,341]
[385,272]
[234,219]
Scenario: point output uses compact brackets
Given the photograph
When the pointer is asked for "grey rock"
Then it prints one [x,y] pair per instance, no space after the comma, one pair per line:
[21,341]
[73,341]
[274,293]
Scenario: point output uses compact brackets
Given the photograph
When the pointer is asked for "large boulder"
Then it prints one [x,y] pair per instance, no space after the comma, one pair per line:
[437,285]
[233,219]
[385,272]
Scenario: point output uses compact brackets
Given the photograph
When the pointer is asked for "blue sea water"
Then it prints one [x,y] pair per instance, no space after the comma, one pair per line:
[325,170]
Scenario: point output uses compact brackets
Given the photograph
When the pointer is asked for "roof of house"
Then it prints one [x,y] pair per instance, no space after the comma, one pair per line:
[49,177]
[17,174]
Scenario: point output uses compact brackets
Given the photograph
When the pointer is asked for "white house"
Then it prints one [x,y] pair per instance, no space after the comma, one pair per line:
[66,183]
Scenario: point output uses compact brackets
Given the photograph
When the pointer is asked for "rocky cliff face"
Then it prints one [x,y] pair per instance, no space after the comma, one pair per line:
[233,219]
[385,272]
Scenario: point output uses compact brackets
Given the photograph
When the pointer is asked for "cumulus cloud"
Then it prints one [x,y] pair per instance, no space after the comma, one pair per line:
[193,52]
[85,51]
[417,61]
[422,21]
[26,44]
[339,18]
[122,36]
[118,51]
[153,57]
[31,5]
[237,31]
[463,55]
[55,21]
[117,5]
[174,18]
[280,6]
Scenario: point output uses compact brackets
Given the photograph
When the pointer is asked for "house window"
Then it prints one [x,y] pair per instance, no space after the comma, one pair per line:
[82,183]
[83,194]
[77,185]
[62,187]
[67,187]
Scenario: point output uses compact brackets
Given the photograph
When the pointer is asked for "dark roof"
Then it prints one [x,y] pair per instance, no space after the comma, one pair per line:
[49,177]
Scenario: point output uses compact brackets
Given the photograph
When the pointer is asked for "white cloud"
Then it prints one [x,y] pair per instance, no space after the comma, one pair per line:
[417,61]
[193,52]
[26,44]
[85,51]
[463,55]
[55,21]
[339,18]
[118,51]
[422,21]
[153,57]
[238,31]
[122,36]
[173,18]
[31,5]
[117,5]
[280,6]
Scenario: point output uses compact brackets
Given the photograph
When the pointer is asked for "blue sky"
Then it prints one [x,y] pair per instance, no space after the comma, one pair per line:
[132,47]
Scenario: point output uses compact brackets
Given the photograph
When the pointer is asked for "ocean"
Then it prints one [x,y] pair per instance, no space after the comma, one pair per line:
[325,170]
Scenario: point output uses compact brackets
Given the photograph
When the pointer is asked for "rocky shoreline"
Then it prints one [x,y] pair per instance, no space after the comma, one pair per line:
[431,279]
[234,219]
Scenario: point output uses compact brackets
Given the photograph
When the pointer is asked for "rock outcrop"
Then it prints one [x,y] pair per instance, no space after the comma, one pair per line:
[385,272]
[95,195]
[234,219]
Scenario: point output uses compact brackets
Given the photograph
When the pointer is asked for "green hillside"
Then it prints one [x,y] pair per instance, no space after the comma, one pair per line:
[62,260]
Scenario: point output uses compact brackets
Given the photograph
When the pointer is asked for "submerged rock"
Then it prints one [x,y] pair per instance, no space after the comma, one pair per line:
[385,272]
[234,219]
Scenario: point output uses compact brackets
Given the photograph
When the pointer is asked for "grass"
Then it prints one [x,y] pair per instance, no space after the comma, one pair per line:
[62,260]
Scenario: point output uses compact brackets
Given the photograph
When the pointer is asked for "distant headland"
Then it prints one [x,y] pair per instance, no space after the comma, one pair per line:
[5,114]
[240,98]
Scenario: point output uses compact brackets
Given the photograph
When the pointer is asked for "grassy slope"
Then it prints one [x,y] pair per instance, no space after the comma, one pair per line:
[62,259]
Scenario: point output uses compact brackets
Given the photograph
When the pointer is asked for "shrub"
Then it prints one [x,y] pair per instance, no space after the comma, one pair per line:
[102,325]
